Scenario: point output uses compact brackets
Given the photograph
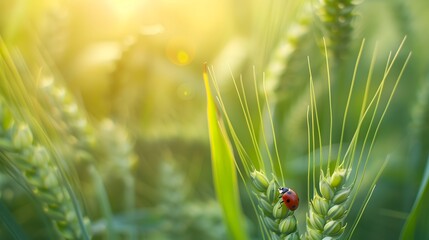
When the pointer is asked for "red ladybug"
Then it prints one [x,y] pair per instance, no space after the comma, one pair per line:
[289,197]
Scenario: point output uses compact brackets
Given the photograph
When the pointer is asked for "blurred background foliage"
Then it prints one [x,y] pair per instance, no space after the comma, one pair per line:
[139,63]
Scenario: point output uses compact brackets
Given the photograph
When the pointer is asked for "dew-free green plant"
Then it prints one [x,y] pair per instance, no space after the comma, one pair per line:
[279,221]
[328,210]
[333,188]
[285,49]
[336,17]
[182,217]
[106,141]
[70,119]
[33,160]
[104,150]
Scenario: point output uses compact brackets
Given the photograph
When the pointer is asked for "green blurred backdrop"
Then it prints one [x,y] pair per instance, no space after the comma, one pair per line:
[140,63]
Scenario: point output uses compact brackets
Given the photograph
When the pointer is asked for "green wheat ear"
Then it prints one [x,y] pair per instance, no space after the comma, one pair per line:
[43,178]
[276,221]
[70,118]
[107,145]
[328,210]
[88,139]
[104,149]
[287,47]
[279,221]
[336,17]
[335,192]
[31,156]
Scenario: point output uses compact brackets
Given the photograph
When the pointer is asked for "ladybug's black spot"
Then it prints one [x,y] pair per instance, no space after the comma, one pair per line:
[293,207]
[288,200]
[289,192]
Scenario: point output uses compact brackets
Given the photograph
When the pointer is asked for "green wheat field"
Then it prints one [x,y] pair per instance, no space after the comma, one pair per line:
[203,119]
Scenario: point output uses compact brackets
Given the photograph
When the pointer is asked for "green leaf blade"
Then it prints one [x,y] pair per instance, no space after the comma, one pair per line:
[223,167]
[416,224]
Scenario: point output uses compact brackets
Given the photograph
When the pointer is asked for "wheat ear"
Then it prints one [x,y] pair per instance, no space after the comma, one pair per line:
[279,221]
[328,209]
[336,17]
[41,175]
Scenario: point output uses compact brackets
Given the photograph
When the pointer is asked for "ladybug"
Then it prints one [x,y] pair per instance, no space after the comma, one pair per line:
[289,198]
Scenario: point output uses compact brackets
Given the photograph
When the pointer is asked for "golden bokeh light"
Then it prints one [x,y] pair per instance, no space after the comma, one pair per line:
[180,51]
